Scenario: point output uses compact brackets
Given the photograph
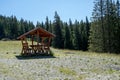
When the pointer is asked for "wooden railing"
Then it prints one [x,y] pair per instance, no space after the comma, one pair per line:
[35,49]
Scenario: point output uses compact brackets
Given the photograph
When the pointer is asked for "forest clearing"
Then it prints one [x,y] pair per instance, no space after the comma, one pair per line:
[80,41]
[63,65]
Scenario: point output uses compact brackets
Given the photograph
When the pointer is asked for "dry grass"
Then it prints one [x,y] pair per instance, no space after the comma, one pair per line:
[9,49]
[68,64]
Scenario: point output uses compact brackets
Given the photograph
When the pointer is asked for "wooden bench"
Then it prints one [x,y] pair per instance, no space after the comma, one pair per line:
[26,49]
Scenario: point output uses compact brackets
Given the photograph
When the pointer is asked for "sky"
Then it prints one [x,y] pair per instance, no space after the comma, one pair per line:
[37,10]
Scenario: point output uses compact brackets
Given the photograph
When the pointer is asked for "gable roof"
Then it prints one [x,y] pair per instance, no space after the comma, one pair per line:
[36,31]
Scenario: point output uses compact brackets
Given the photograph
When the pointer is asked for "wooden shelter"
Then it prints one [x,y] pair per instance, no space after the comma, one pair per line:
[40,46]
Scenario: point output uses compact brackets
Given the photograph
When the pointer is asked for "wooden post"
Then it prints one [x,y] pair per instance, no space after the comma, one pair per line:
[25,39]
[37,37]
[22,40]
[32,39]
[22,45]
[49,41]
[42,40]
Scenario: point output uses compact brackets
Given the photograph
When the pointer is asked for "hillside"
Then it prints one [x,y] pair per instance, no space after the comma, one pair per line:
[64,65]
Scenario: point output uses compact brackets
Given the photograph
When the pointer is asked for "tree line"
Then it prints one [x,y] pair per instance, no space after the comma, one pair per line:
[105,27]
[69,35]
[102,34]
[11,27]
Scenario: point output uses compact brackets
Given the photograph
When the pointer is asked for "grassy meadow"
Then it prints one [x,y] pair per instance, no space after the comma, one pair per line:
[64,65]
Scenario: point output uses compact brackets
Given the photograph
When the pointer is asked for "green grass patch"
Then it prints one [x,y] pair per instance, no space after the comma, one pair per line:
[67,71]
[110,71]
[9,49]
[89,62]
[10,46]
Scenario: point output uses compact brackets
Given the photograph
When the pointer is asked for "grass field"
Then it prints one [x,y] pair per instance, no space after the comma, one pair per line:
[64,65]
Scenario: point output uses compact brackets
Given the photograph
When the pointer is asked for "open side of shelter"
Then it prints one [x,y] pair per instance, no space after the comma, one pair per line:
[43,39]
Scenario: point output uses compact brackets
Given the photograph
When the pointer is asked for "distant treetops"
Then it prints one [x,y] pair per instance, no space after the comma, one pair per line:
[69,35]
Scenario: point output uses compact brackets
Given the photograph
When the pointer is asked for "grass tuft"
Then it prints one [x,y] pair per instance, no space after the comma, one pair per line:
[67,71]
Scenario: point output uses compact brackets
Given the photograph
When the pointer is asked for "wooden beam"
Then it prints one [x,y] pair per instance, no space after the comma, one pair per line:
[43,38]
[32,39]
[25,40]
[37,37]
[49,40]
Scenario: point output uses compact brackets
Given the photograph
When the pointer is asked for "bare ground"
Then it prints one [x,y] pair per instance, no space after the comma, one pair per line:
[64,65]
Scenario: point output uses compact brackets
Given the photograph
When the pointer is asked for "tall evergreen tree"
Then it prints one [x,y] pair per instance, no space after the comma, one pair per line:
[87,31]
[31,25]
[38,24]
[58,40]
[22,30]
[84,32]
[97,38]
[77,36]
[67,41]
[1,27]
[104,29]
[118,26]
[42,25]
[50,27]
[47,25]
[14,27]
[71,33]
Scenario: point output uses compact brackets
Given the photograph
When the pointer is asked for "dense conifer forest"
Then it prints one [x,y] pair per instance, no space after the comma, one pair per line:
[101,34]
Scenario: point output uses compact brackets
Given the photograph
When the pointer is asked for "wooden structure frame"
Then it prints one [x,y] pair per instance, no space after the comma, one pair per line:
[40,47]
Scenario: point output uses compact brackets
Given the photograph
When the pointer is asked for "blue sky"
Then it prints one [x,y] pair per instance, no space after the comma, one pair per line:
[37,10]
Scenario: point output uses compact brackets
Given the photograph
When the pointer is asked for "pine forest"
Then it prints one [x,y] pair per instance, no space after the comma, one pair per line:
[100,33]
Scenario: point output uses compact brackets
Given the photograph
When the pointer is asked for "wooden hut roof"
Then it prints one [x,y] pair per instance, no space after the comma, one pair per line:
[36,31]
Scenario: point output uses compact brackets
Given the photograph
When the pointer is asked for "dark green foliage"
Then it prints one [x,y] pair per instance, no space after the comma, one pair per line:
[50,27]
[42,25]
[11,28]
[84,31]
[47,23]
[69,36]
[104,33]
[58,40]
[97,39]
[87,33]
[67,40]
[118,27]
[77,36]
[1,28]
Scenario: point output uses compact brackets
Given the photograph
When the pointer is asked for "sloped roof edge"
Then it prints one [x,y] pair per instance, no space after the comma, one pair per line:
[33,30]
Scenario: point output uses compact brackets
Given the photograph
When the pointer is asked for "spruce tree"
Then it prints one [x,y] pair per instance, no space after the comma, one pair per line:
[38,24]
[84,32]
[87,31]
[97,39]
[77,36]
[58,40]
[13,27]
[71,33]
[67,40]
[1,28]
[118,26]
[47,23]
[105,26]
